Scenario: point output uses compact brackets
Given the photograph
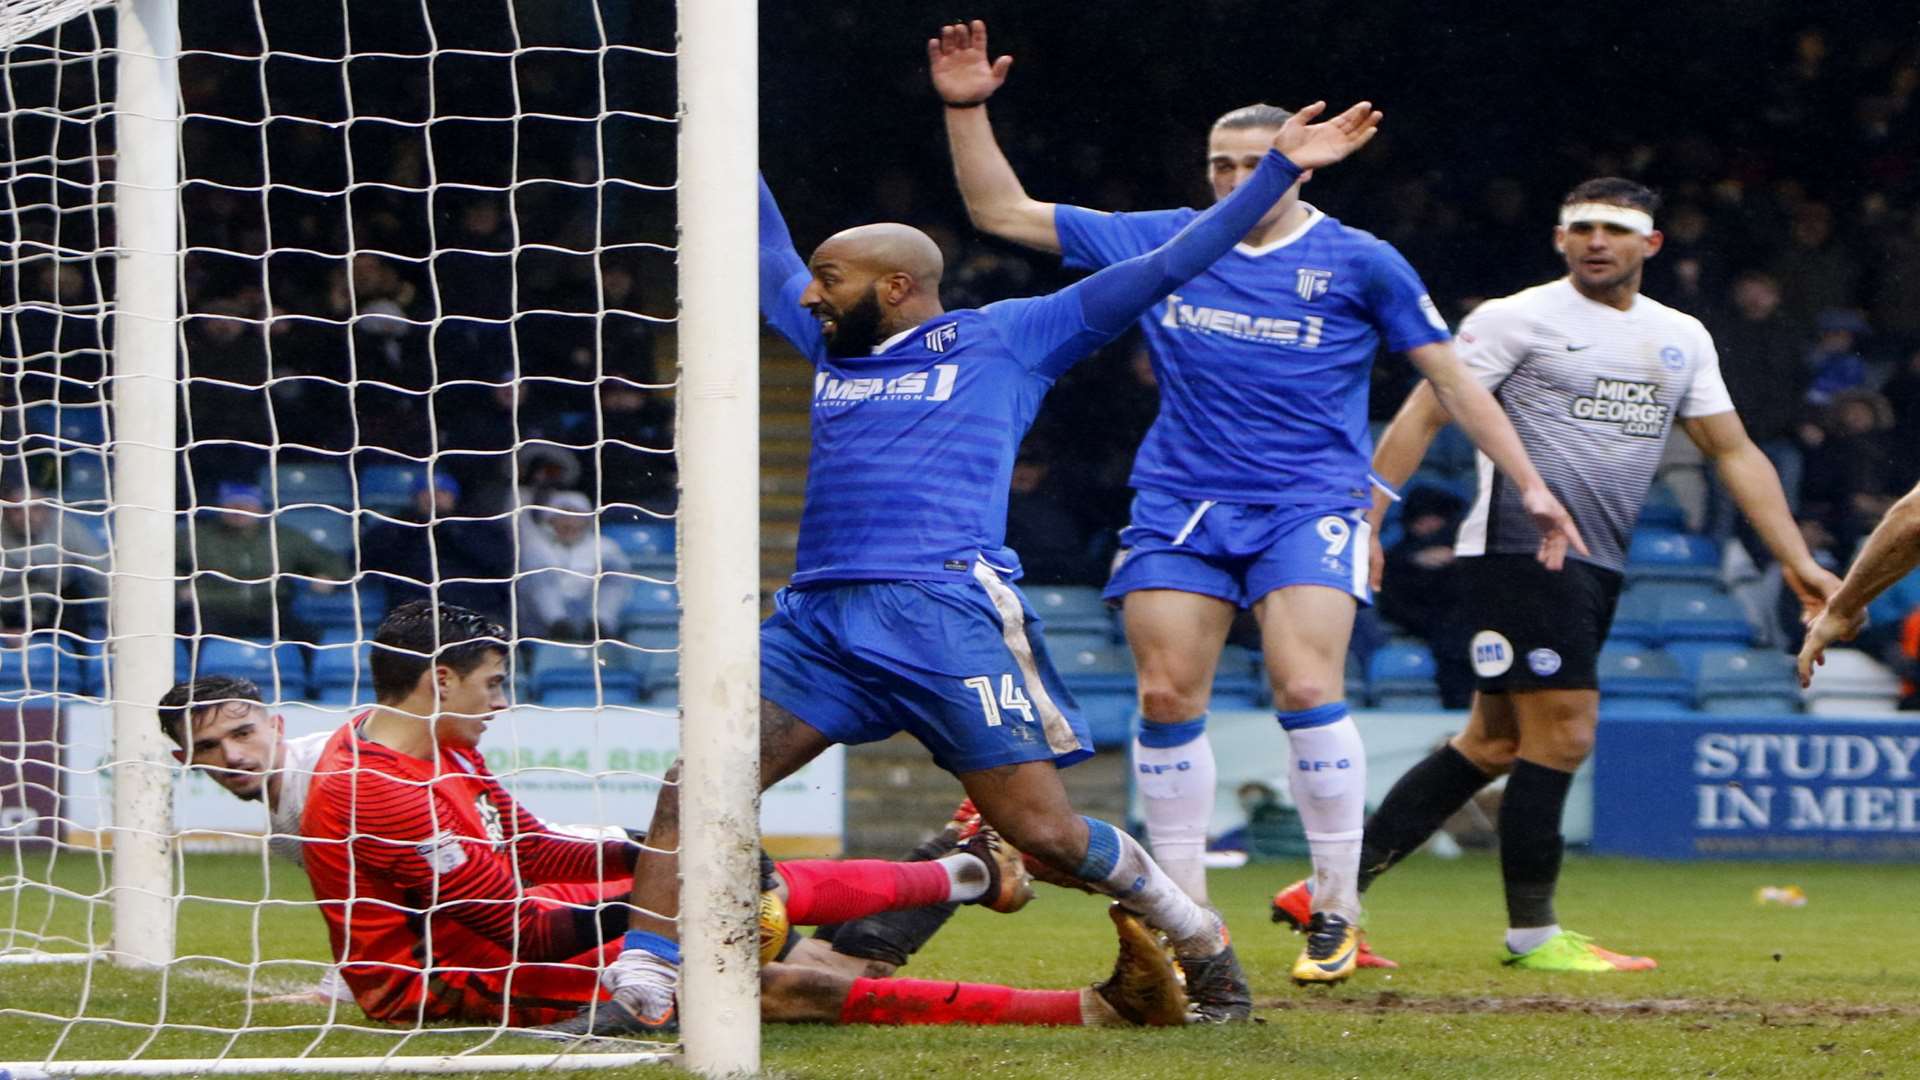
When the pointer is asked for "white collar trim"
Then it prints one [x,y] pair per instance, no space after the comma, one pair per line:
[892,341]
[1314,217]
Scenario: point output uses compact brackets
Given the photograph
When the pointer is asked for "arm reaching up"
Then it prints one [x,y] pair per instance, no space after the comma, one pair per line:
[965,76]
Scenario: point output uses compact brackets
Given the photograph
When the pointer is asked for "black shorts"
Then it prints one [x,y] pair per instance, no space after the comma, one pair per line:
[1534,628]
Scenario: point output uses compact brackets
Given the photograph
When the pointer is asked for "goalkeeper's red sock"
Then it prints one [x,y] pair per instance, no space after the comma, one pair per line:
[924,1001]
[823,891]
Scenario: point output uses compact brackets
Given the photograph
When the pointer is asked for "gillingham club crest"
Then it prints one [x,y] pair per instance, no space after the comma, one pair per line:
[1311,284]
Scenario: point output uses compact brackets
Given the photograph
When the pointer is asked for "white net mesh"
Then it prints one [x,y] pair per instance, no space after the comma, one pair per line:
[427,268]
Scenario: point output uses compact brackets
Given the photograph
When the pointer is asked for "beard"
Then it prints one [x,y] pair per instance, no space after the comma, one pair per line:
[856,330]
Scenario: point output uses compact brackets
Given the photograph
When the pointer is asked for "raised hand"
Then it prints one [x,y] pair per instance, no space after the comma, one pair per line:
[959,61]
[1314,146]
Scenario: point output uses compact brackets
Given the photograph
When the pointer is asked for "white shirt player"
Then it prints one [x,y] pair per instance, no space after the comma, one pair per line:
[1593,392]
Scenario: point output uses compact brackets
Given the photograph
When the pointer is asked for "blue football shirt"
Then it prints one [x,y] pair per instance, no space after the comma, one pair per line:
[1264,359]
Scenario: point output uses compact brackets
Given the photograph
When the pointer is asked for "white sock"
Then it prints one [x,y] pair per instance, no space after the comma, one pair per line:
[1329,785]
[1525,939]
[1174,769]
[647,982]
[1117,865]
[966,875]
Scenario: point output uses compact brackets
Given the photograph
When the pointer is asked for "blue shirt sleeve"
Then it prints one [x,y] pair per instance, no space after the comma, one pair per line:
[783,277]
[1093,239]
[1051,333]
[1398,302]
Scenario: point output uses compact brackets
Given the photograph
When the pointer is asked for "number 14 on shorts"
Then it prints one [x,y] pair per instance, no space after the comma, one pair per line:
[1013,698]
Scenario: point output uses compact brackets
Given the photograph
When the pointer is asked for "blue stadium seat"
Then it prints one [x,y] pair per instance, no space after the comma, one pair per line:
[340,673]
[1662,511]
[1108,667]
[331,529]
[1648,707]
[1067,641]
[279,670]
[650,540]
[1747,680]
[1110,716]
[652,605]
[569,675]
[1636,620]
[1356,679]
[38,668]
[1400,675]
[389,488]
[68,423]
[83,476]
[1071,607]
[1690,654]
[1642,674]
[1451,452]
[334,610]
[1239,676]
[1698,616]
[322,482]
[1658,555]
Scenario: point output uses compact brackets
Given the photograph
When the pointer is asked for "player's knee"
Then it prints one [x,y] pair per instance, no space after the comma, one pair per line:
[1572,744]
[1491,755]
[1163,703]
[1303,693]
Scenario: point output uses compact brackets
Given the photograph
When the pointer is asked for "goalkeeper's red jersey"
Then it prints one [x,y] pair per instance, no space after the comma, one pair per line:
[426,872]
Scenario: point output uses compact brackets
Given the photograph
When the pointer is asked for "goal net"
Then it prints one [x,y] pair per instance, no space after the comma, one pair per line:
[310,310]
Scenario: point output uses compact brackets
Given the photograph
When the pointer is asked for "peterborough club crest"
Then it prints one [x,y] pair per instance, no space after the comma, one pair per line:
[1312,284]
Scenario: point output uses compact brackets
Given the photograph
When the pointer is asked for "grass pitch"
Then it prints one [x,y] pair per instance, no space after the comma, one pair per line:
[1832,989]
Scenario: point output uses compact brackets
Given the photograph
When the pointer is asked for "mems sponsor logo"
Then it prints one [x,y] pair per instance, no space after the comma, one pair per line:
[1265,329]
[1633,405]
[933,385]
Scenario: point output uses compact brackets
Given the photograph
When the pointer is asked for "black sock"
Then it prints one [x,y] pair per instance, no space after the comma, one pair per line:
[1530,841]
[1419,803]
[892,936]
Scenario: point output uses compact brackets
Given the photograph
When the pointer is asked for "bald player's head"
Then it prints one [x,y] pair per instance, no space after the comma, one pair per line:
[870,282]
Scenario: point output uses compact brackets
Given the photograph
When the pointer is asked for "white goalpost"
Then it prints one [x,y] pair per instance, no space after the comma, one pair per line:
[307,310]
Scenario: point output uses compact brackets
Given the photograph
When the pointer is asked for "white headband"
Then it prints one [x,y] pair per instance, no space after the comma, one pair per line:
[1626,217]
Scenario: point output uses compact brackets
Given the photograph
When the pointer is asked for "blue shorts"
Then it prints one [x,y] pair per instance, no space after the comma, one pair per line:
[1239,552]
[960,666]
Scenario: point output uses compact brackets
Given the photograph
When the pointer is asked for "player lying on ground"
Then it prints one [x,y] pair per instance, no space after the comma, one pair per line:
[1593,375]
[445,900]
[224,728]
[1252,485]
[1888,555]
[901,614]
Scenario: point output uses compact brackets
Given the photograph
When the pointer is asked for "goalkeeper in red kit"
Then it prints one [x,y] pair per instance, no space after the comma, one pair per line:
[447,901]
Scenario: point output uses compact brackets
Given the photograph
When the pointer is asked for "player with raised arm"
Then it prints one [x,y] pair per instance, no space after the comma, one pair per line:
[1889,554]
[446,900]
[1252,484]
[902,614]
[1594,376]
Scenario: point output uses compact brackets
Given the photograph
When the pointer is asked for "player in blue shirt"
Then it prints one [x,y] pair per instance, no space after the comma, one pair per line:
[1252,484]
[901,614]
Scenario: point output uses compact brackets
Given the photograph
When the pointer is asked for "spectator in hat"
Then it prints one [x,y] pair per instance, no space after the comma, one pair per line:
[572,582]
[237,570]
[469,559]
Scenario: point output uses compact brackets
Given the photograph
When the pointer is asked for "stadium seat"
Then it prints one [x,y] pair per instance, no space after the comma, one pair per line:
[1400,676]
[652,605]
[1658,555]
[1067,641]
[1689,654]
[1110,716]
[279,670]
[1108,667]
[1851,683]
[297,483]
[340,673]
[330,528]
[563,676]
[641,540]
[1642,674]
[1239,676]
[1662,511]
[1696,616]
[1636,620]
[67,424]
[1071,608]
[389,488]
[43,666]
[1747,680]
[83,477]
[334,610]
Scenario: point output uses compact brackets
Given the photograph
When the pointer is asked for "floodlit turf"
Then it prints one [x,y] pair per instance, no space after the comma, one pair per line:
[1832,989]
